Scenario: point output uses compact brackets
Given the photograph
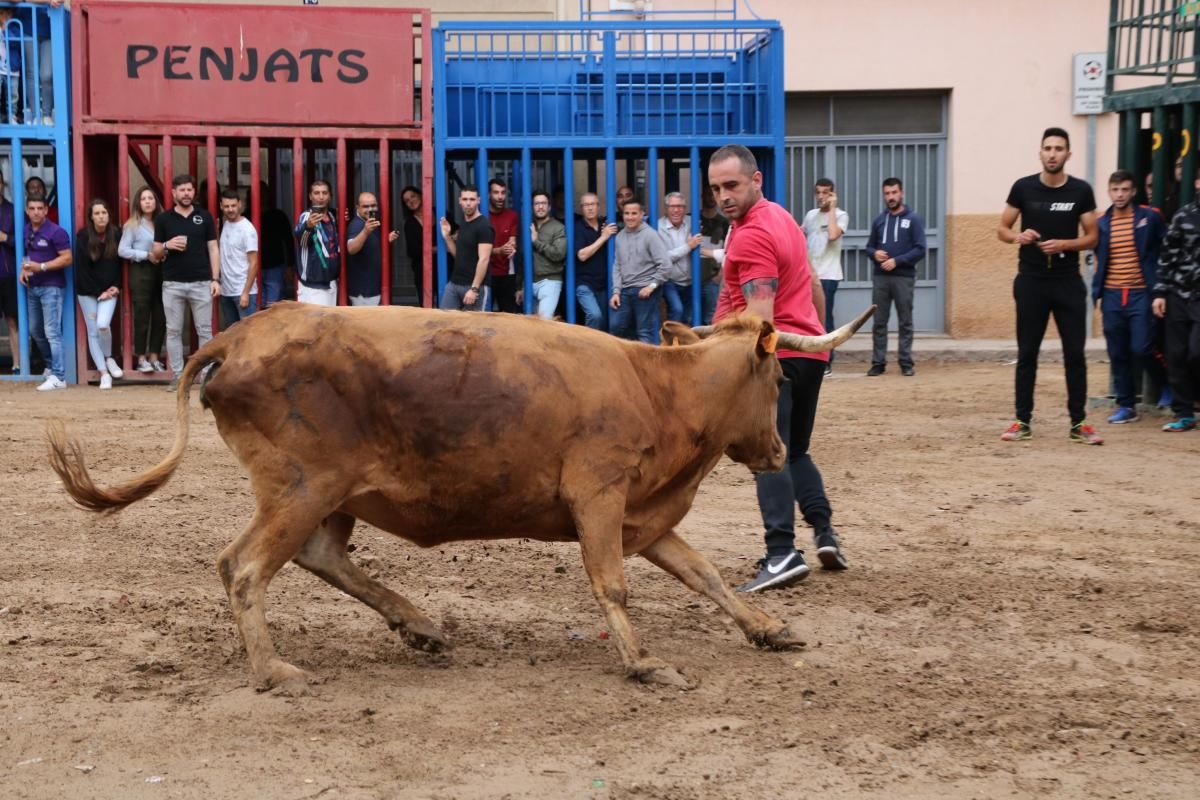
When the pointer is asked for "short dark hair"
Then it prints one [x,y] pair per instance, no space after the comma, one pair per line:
[1046,134]
[540,193]
[633,201]
[412,189]
[497,182]
[320,182]
[468,188]
[180,180]
[741,153]
[1122,176]
[33,178]
[230,194]
[824,182]
[35,198]
[893,181]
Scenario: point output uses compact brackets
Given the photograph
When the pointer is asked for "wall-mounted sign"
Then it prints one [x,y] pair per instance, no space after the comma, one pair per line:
[1087,83]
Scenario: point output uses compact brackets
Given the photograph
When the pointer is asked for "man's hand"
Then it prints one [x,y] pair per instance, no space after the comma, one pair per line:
[393,235]
[608,231]
[509,247]
[1159,307]
[445,225]
[520,297]
[3,236]
[533,231]
[313,219]
[1028,236]
[214,288]
[1052,246]
[111,291]
[830,202]
[881,256]
[471,297]
[372,226]
[889,265]
[177,243]
[615,301]
[694,241]
[646,291]
[244,300]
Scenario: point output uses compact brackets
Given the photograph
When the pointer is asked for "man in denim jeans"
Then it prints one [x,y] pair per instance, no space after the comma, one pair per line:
[47,254]
[639,271]
[187,237]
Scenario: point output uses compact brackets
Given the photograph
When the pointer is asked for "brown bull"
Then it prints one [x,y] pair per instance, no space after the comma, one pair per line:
[440,427]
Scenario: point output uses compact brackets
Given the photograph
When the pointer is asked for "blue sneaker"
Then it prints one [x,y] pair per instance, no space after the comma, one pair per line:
[1166,398]
[1180,425]
[1124,414]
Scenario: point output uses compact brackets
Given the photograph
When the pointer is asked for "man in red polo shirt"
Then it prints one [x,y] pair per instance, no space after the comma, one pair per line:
[767,273]
[506,277]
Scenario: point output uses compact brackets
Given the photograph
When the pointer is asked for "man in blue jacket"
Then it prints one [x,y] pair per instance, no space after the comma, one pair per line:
[897,245]
[1126,265]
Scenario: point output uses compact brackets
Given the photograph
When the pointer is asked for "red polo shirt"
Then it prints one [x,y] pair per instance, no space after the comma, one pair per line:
[767,243]
[504,223]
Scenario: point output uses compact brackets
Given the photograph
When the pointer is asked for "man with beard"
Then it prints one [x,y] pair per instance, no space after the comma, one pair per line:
[1053,207]
[897,245]
[507,283]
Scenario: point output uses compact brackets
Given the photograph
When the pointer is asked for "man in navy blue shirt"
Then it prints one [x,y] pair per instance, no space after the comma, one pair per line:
[897,245]
[47,254]
[591,260]
[364,249]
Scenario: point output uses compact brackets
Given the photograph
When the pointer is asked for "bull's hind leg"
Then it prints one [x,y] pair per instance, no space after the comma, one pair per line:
[599,521]
[324,555]
[273,537]
[677,557]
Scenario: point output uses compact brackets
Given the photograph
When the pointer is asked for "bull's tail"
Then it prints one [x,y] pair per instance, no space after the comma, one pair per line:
[66,452]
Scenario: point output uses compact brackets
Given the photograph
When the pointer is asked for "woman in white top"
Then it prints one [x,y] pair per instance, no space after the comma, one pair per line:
[145,280]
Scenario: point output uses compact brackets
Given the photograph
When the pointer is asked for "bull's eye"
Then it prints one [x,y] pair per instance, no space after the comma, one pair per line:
[779,382]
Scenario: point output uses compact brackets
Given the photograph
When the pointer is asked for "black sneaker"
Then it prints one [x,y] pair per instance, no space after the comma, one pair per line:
[829,552]
[875,370]
[777,572]
[907,372]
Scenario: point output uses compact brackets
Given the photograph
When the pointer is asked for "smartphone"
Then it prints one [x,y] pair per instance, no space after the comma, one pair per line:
[317,210]
[373,213]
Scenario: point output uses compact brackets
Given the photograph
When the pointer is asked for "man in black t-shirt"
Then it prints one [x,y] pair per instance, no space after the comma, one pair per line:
[468,288]
[187,238]
[1053,206]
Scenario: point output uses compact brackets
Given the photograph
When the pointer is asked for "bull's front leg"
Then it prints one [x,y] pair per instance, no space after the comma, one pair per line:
[599,520]
[677,557]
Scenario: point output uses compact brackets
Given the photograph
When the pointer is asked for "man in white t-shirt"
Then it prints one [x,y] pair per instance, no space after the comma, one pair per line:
[823,228]
[239,261]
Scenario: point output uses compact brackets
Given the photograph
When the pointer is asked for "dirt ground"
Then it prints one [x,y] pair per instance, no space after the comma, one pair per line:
[1018,621]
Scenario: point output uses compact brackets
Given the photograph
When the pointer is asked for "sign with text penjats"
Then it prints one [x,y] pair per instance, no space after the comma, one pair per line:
[268,65]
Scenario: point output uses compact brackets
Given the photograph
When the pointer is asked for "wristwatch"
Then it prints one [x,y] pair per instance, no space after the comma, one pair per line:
[475,289]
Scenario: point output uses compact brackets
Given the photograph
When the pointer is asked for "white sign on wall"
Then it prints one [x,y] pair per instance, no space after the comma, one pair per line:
[1087,83]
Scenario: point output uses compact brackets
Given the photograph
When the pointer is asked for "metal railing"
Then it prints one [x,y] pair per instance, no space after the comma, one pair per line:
[1152,45]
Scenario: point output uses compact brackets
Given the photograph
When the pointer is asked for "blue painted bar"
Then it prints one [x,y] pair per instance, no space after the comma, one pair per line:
[526,220]
[694,206]
[611,212]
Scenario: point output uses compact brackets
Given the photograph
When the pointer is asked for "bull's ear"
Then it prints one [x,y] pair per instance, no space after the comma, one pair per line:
[768,340]
[676,334]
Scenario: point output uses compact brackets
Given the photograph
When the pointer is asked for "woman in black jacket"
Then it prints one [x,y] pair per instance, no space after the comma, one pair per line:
[97,281]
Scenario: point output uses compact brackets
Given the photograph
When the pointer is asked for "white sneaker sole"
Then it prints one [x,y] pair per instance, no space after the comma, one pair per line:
[794,575]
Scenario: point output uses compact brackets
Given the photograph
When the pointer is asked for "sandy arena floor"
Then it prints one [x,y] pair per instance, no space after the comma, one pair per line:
[1019,621]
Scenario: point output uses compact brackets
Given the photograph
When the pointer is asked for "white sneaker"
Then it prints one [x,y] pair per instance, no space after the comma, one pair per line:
[113,369]
[106,381]
[158,366]
[50,384]
[144,366]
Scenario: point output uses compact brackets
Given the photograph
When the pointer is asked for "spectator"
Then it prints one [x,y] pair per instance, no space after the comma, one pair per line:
[36,187]
[8,276]
[1126,263]
[624,195]
[18,55]
[364,252]
[239,261]
[767,273]
[1177,301]
[676,230]
[47,254]
[186,238]
[507,277]
[897,243]
[823,228]
[714,227]
[471,247]
[318,259]
[592,233]
[549,238]
[145,280]
[639,270]
[275,247]
[97,278]
[414,238]
[1054,207]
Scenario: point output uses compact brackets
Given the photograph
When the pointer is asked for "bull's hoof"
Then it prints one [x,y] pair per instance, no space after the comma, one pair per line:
[422,636]
[286,680]
[651,670]
[781,638]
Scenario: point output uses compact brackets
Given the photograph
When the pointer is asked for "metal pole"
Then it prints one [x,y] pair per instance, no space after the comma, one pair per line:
[256,210]
[123,214]
[299,198]
[385,214]
[1091,150]
[527,216]
[341,199]
[614,215]
[694,202]
[18,193]
[1130,129]
[569,223]
[214,208]
[1187,184]
[1159,153]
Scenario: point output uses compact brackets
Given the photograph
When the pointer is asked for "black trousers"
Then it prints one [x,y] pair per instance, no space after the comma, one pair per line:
[800,481]
[1037,299]
[504,294]
[1182,325]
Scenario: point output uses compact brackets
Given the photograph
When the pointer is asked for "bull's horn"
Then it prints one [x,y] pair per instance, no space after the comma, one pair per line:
[823,344]
[704,331]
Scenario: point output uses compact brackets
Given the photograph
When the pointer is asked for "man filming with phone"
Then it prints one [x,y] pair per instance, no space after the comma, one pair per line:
[318,259]
[364,252]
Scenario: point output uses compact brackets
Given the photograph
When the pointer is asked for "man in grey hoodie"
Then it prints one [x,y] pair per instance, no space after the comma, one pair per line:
[639,271]
[897,245]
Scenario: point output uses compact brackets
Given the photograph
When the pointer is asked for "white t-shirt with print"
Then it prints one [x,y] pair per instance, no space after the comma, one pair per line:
[825,256]
[237,240]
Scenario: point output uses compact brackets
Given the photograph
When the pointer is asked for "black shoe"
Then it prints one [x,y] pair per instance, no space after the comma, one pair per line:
[907,372]
[828,369]
[875,370]
[777,572]
[829,552]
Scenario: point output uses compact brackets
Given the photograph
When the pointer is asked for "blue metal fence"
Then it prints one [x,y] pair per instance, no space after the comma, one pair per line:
[35,109]
[652,93]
